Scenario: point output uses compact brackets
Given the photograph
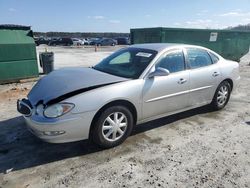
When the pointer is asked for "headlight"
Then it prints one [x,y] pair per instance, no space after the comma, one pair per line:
[57,110]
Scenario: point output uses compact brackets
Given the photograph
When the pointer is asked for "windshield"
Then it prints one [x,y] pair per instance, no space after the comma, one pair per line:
[128,62]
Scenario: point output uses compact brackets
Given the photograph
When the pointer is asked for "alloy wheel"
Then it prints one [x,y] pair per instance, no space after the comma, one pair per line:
[222,95]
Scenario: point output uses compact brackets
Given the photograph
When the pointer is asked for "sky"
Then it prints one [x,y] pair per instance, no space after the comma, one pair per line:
[122,15]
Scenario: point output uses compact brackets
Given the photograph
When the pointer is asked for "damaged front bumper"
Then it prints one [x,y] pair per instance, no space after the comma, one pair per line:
[61,130]
[67,128]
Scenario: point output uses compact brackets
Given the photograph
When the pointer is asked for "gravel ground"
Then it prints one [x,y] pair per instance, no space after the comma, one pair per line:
[197,148]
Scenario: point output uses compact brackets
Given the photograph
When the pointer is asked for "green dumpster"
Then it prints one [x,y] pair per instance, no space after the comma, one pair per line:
[229,44]
[17,53]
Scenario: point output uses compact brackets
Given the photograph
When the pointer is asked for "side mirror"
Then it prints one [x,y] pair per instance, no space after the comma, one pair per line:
[159,72]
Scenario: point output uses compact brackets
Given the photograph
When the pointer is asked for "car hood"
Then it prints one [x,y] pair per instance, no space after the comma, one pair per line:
[67,82]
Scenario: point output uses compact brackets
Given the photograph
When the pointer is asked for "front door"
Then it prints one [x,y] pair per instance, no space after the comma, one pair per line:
[166,94]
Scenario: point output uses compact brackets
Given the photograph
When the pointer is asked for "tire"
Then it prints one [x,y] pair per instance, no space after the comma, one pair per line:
[221,96]
[106,135]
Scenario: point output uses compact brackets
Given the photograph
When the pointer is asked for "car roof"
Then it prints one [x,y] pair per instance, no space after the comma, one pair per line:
[161,46]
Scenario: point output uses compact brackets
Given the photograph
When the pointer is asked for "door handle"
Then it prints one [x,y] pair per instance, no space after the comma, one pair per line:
[215,74]
[182,81]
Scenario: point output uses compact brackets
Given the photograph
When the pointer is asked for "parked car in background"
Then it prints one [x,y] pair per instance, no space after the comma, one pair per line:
[55,38]
[61,41]
[85,41]
[133,85]
[76,41]
[104,42]
[42,40]
[91,40]
[122,41]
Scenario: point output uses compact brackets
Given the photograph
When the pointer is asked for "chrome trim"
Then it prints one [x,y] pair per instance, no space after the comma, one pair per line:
[177,94]
[200,88]
[167,96]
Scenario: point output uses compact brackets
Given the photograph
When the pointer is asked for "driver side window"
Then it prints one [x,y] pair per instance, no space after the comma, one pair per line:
[173,61]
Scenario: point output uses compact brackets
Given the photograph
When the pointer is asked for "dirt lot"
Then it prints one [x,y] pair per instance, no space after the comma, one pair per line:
[197,148]
[82,56]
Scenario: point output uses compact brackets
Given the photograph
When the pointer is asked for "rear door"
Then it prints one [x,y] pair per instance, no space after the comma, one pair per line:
[204,74]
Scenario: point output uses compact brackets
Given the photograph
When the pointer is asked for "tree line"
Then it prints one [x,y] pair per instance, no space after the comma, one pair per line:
[80,34]
[241,27]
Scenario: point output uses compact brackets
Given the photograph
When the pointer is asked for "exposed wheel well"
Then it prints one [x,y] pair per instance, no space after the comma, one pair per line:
[125,103]
[230,82]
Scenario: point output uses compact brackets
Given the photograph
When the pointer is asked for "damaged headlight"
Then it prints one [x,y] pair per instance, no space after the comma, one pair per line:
[57,110]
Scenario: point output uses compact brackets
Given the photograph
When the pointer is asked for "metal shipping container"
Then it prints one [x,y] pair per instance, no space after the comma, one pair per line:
[17,53]
[228,43]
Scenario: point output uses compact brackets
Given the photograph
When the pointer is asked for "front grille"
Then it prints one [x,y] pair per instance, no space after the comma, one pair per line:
[24,107]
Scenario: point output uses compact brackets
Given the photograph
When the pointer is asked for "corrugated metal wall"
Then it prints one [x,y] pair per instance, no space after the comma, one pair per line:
[230,44]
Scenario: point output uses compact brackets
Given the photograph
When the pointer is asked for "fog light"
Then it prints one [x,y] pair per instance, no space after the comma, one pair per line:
[53,133]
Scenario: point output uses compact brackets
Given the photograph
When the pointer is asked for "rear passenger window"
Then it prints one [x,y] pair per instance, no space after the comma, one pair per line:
[198,58]
[173,61]
[214,57]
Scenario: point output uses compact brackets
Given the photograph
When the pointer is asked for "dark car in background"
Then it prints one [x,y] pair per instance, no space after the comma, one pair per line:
[42,40]
[104,42]
[122,41]
[61,41]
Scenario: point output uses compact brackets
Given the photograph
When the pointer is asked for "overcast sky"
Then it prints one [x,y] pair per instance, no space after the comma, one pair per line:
[121,15]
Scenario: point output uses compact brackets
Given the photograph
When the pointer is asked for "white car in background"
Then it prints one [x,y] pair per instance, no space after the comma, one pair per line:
[77,42]
[85,41]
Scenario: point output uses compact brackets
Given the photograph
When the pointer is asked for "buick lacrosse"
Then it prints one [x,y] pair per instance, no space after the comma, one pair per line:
[133,85]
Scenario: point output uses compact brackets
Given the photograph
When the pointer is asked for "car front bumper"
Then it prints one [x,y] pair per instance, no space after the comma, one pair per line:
[74,127]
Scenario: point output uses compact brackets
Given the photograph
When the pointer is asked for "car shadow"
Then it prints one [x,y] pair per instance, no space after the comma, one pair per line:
[171,119]
[19,149]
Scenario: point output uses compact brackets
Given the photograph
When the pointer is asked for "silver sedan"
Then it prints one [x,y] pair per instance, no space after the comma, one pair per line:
[132,86]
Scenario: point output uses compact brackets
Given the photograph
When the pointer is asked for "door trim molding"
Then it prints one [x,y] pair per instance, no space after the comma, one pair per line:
[177,94]
[200,88]
[167,96]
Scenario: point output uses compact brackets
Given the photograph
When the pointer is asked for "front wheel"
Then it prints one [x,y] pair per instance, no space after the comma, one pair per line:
[112,127]
[221,96]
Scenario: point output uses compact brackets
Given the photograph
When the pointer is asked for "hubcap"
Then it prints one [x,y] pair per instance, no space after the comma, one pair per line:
[114,126]
[222,95]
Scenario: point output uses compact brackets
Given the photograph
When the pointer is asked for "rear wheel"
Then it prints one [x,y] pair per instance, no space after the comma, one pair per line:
[221,96]
[112,127]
